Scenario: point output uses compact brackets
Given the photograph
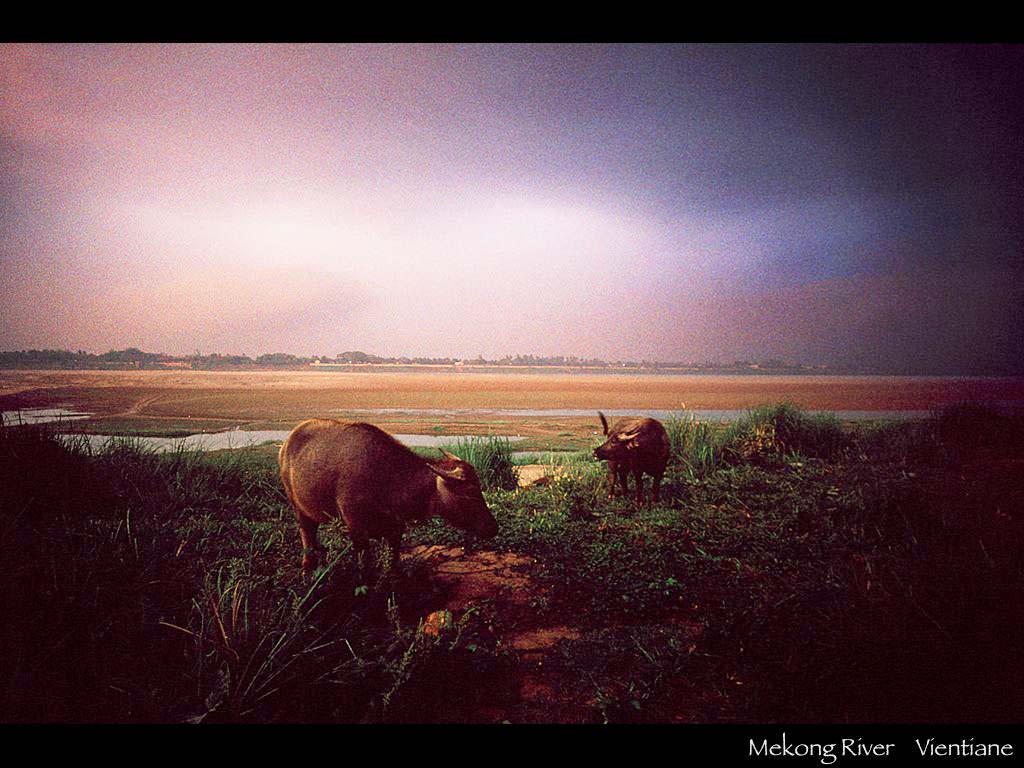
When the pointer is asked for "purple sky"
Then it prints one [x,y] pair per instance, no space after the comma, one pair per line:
[835,204]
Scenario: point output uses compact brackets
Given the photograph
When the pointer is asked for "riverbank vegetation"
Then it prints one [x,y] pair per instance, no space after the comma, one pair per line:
[797,570]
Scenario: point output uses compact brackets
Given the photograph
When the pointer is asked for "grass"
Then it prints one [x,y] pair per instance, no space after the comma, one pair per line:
[694,444]
[490,456]
[796,570]
[765,435]
[147,587]
[832,569]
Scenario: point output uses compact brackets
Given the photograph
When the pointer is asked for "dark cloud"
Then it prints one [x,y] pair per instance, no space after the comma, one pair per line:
[567,186]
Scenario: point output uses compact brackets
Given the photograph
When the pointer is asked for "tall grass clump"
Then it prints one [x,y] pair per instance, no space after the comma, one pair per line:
[85,571]
[764,435]
[769,431]
[491,457]
[694,444]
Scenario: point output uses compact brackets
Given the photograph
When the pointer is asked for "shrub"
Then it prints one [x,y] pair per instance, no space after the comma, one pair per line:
[972,424]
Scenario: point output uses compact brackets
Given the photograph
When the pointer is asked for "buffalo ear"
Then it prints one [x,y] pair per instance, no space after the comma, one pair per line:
[457,474]
[630,440]
[448,455]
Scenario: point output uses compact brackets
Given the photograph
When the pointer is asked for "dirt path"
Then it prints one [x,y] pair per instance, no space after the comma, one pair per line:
[136,408]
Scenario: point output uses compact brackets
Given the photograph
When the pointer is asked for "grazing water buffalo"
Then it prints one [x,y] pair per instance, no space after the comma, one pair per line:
[634,446]
[357,472]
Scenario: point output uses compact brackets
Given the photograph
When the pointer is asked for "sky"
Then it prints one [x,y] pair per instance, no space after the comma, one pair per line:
[845,205]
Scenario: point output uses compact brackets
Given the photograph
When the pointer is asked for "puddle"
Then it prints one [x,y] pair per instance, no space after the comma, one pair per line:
[240,438]
[40,416]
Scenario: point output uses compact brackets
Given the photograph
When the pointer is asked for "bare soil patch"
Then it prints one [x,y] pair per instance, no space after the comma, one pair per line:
[547,690]
[504,579]
[537,474]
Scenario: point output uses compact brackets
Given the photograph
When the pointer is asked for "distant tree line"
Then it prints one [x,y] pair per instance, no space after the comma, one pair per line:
[136,358]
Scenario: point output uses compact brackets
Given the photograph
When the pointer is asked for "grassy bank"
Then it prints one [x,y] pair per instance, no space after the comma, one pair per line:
[796,570]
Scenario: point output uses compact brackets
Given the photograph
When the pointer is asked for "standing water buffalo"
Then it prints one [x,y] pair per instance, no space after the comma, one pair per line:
[634,446]
[360,473]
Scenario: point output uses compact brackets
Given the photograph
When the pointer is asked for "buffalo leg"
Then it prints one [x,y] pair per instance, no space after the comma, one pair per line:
[393,536]
[612,475]
[310,545]
[657,484]
[355,514]
[638,476]
[360,548]
[623,474]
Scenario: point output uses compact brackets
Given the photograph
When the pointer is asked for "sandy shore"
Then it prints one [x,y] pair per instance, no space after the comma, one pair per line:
[266,392]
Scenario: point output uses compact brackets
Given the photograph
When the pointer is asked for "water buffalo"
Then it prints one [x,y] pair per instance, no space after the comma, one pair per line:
[358,472]
[634,446]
